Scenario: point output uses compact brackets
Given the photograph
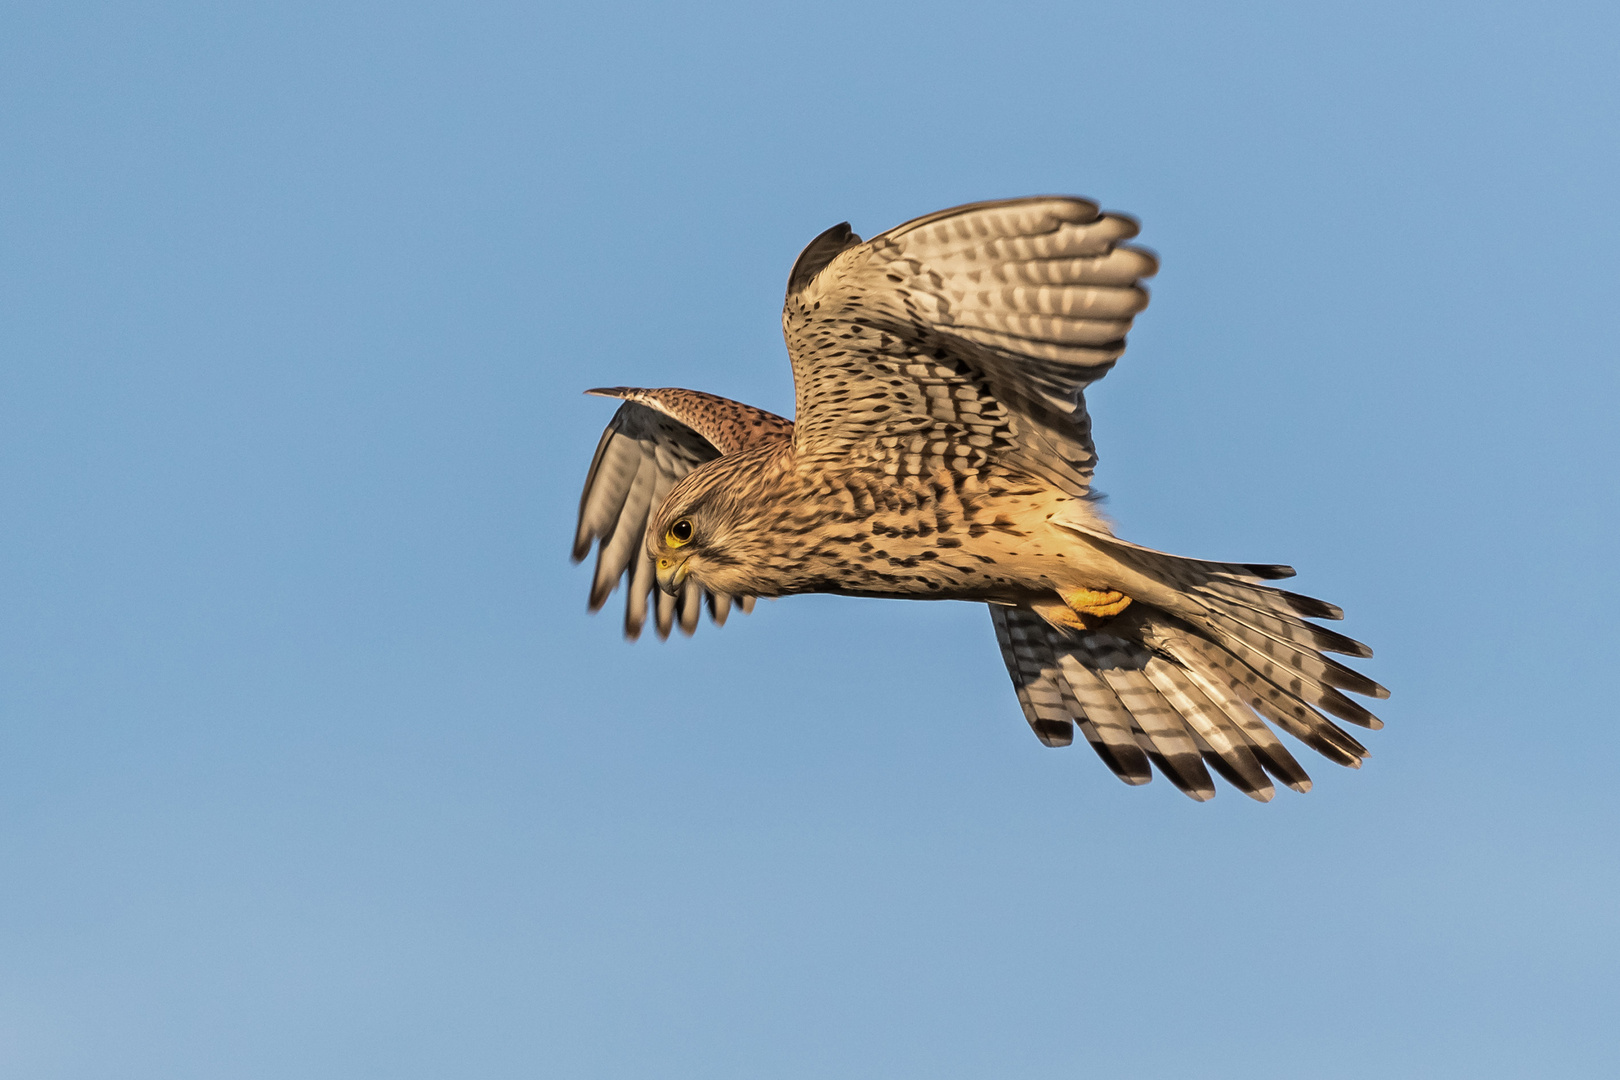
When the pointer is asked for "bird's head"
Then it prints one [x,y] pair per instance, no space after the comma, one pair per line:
[704,530]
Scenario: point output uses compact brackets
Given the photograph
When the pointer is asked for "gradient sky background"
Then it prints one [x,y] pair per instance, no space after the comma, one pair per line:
[313,765]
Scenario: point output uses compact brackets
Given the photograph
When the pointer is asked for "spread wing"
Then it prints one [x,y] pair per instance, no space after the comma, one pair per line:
[657,437]
[1137,705]
[1206,686]
[965,340]
[965,336]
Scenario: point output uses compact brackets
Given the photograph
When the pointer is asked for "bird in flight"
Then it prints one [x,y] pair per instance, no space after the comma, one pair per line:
[941,450]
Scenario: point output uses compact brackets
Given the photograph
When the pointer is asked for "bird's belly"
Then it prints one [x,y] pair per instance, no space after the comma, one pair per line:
[1001,560]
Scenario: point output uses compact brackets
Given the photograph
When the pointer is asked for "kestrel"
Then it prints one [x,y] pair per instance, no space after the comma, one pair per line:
[941,451]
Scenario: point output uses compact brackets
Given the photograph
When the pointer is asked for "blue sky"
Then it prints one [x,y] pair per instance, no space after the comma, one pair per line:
[313,765]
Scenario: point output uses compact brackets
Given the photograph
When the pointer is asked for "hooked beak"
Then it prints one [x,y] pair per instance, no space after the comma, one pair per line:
[671,574]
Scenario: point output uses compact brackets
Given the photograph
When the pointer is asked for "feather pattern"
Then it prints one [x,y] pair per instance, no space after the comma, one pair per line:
[976,328]
[1152,689]
[942,450]
[656,438]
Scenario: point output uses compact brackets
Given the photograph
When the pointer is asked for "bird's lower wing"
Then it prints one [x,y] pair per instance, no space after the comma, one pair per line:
[1198,684]
[1139,709]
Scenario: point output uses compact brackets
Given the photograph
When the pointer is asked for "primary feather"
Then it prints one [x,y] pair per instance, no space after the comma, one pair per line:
[942,450]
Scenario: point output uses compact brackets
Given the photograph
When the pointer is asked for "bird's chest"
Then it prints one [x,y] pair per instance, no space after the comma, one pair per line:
[941,535]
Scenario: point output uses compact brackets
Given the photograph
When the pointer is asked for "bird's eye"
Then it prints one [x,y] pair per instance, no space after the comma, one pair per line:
[679,533]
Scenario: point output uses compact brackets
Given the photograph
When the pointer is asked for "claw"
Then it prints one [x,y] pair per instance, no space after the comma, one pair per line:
[1082,609]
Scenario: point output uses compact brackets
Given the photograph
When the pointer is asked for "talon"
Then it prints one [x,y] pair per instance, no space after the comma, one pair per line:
[1081,609]
[1093,606]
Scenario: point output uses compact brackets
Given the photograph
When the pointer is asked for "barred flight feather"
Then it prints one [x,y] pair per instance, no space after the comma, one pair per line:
[656,438]
[942,449]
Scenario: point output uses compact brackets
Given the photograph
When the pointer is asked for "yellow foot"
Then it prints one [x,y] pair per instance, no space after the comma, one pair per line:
[1101,605]
[1082,609]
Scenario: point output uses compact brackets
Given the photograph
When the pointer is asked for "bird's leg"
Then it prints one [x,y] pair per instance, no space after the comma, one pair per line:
[1082,609]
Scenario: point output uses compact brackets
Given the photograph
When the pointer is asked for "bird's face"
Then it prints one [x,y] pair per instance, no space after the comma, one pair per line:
[691,536]
[673,551]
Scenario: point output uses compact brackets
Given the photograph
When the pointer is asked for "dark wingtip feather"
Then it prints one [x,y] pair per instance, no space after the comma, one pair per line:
[1185,775]
[1237,779]
[1124,760]
[610,391]
[1336,674]
[1310,606]
[1329,641]
[1345,709]
[1053,732]
[818,253]
[1354,681]
[1277,761]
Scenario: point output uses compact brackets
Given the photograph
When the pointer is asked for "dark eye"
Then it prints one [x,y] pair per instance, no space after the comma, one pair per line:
[680,532]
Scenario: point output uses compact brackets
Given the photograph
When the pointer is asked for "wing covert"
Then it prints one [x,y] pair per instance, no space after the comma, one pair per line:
[971,333]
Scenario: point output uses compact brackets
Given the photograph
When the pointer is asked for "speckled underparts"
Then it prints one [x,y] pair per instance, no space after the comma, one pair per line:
[942,451]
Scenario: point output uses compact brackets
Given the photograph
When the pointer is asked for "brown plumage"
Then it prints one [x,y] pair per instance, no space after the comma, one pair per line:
[942,451]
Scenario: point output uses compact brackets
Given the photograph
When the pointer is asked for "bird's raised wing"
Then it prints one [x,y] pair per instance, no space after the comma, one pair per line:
[657,437]
[963,337]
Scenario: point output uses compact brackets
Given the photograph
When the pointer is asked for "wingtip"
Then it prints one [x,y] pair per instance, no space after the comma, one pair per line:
[818,253]
[1133,224]
[1147,253]
[1054,733]
[608,391]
